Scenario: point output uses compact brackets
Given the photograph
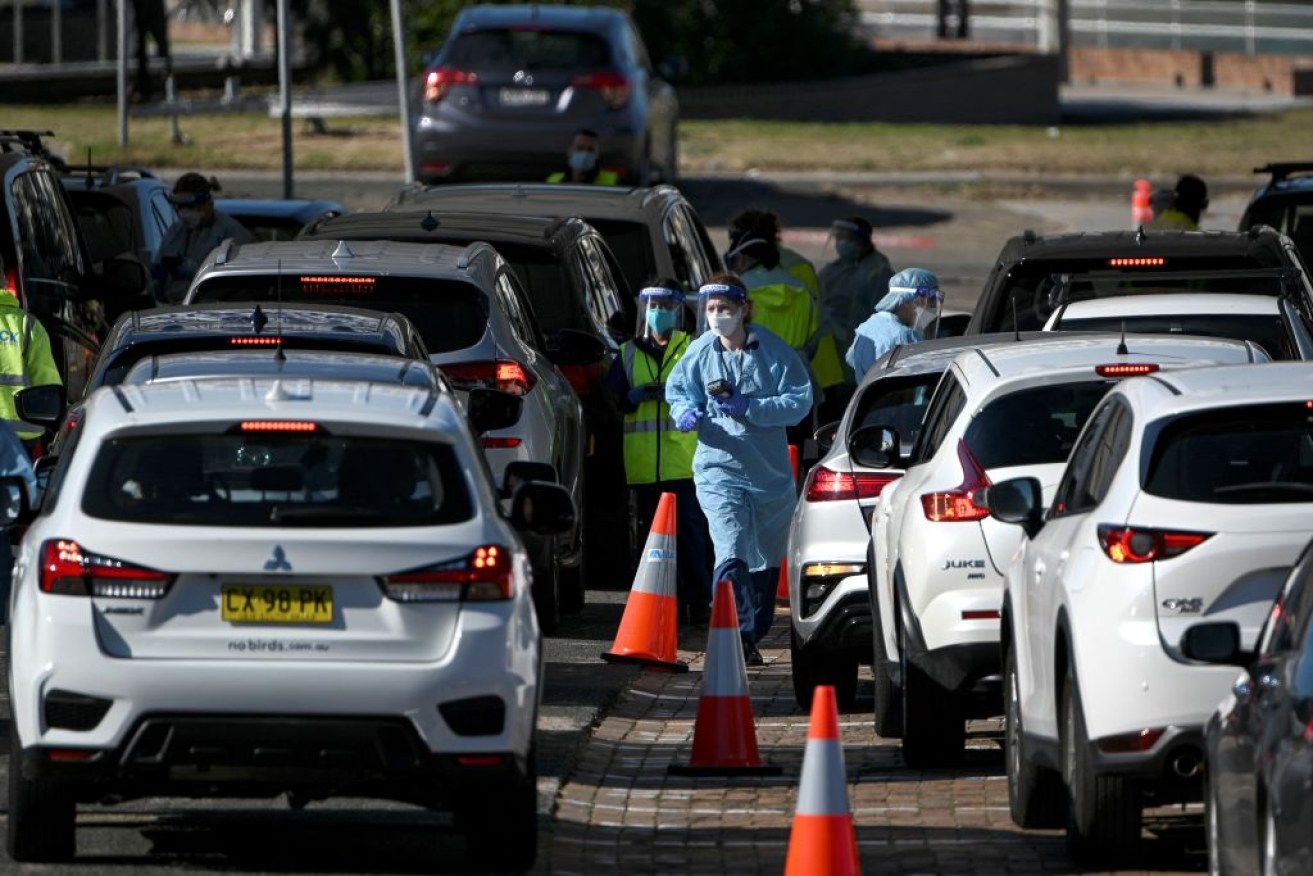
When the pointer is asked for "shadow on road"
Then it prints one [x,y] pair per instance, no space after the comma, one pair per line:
[718,200]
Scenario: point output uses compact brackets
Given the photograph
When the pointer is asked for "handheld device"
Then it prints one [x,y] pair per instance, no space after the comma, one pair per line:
[720,389]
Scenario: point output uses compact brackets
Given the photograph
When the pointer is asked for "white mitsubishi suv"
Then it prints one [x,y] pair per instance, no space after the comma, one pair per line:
[1188,496]
[249,587]
[937,570]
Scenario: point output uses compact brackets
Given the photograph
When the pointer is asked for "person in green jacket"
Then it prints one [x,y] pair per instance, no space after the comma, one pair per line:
[581,162]
[25,360]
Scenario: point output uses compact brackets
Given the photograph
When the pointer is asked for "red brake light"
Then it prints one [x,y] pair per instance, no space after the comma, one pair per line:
[337,285]
[504,374]
[1142,262]
[279,426]
[1125,370]
[68,570]
[1128,743]
[613,87]
[1127,544]
[959,504]
[824,485]
[439,81]
[255,341]
[485,575]
[501,442]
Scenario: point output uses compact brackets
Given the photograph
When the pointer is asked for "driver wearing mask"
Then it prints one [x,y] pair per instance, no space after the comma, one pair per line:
[199,229]
[582,163]
[900,316]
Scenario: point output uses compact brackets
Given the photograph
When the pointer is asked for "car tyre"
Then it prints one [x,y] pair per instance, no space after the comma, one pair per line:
[812,667]
[570,585]
[934,729]
[805,671]
[42,816]
[547,589]
[1035,793]
[888,696]
[1104,812]
[501,826]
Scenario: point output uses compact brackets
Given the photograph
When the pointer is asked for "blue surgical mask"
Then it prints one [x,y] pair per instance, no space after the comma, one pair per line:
[582,161]
[848,250]
[661,322]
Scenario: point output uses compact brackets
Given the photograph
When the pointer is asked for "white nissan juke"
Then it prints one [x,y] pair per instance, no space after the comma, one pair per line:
[250,587]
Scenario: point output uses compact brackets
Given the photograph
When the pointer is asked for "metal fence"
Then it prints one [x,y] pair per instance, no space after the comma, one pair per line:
[1246,26]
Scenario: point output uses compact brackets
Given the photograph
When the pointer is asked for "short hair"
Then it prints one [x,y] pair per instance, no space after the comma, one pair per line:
[756,223]
[1191,191]
[192,183]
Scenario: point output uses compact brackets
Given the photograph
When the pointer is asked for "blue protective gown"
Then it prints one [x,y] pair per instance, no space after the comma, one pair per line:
[881,332]
[741,467]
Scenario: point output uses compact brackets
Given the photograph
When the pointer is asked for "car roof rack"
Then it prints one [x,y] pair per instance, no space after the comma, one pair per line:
[1060,295]
[1281,170]
[27,140]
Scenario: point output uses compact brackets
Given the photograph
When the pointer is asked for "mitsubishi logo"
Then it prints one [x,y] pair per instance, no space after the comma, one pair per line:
[278,563]
[523,78]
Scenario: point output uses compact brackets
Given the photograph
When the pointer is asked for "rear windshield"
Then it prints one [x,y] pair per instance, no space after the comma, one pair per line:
[631,244]
[1033,426]
[1028,286]
[1266,331]
[528,49]
[450,314]
[1236,456]
[899,402]
[276,480]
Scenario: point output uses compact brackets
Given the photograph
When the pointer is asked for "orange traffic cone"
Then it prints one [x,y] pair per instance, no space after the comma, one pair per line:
[782,591]
[724,737]
[823,841]
[1141,214]
[648,628]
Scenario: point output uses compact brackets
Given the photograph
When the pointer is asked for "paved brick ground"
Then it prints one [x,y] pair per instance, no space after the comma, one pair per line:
[618,811]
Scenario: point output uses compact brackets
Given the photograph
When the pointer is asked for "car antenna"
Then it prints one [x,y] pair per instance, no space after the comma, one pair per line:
[1121,346]
[1016,327]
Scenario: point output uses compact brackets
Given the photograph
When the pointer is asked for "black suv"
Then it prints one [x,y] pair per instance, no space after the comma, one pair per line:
[573,282]
[1285,202]
[45,262]
[1035,274]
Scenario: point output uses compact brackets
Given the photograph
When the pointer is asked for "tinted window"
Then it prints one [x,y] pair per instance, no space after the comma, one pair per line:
[899,402]
[1033,426]
[529,49]
[1236,456]
[549,286]
[631,244]
[521,322]
[1074,494]
[276,480]
[46,235]
[450,314]
[1266,331]
[603,300]
[948,401]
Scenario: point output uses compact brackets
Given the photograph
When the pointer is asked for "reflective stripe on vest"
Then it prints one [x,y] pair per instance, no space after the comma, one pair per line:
[654,449]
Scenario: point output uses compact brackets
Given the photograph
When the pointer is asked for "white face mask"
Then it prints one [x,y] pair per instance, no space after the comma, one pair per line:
[724,324]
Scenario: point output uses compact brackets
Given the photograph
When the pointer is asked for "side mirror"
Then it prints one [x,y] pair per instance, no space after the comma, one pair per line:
[1215,642]
[14,506]
[619,327]
[522,471]
[574,347]
[825,436]
[491,409]
[542,508]
[1019,501]
[876,447]
[124,276]
[42,405]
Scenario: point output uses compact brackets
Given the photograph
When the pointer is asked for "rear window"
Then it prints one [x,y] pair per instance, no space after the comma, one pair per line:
[528,49]
[1027,289]
[631,244]
[899,402]
[1266,331]
[1033,426]
[276,480]
[1236,456]
[449,314]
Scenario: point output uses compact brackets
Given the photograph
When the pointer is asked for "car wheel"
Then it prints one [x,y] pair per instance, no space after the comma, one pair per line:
[934,730]
[841,672]
[501,826]
[570,586]
[806,674]
[547,589]
[42,817]
[888,697]
[1035,793]
[1103,811]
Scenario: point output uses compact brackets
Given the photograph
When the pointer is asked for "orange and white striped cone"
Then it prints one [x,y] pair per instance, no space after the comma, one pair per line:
[724,736]
[649,626]
[782,590]
[823,840]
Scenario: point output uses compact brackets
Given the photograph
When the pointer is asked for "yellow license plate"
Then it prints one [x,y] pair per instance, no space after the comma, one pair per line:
[276,604]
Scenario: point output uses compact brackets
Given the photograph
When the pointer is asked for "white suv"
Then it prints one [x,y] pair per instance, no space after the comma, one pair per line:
[1188,496]
[938,558]
[249,587]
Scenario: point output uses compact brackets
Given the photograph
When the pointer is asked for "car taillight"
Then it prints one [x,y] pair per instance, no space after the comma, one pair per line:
[504,374]
[1129,544]
[439,81]
[13,284]
[824,485]
[1125,369]
[959,504]
[68,570]
[483,576]
[583,378]
[255,340]
[613,87]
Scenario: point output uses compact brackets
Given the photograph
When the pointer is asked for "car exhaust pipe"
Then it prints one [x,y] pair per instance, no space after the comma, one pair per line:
[1187,765]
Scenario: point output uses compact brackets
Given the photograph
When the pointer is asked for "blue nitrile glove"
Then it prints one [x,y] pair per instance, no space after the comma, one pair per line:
[734,406]
[688,421]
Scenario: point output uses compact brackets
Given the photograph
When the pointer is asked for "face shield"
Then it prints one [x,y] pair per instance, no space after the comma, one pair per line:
[660,312]
[930,306]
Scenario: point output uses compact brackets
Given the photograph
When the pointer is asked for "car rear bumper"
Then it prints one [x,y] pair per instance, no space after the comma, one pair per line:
[483,147]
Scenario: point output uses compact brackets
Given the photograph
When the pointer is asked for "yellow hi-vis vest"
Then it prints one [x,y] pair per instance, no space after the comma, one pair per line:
[604,178]
[25,357]
[781,303]
[654,449]
[826,362]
